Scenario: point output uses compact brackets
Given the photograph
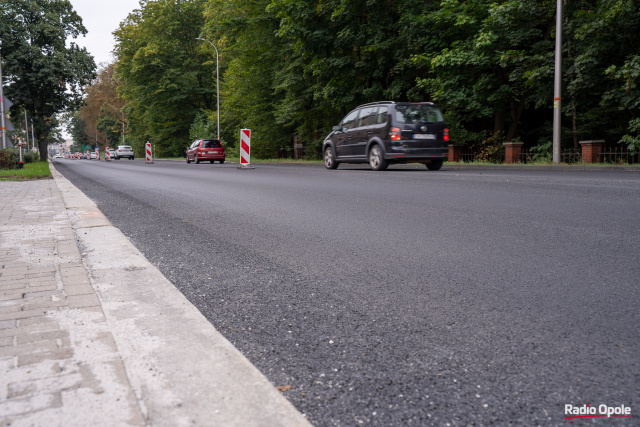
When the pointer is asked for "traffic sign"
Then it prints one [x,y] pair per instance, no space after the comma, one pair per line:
[7,103]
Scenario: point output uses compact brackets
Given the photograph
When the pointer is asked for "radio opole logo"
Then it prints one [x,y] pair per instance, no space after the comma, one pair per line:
[601,411]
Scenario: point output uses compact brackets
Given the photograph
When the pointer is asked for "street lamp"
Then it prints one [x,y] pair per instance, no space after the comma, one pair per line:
[2,123]
[217,83]
[122,128]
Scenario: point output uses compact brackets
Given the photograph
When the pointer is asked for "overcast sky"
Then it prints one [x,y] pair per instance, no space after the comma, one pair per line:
[101,18]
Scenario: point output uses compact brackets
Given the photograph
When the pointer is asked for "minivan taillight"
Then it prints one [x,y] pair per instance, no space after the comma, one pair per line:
[446,134]
[395,134]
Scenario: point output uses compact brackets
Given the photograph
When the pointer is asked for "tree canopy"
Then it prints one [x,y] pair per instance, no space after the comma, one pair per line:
[43,74]
[295,67]
[168,77]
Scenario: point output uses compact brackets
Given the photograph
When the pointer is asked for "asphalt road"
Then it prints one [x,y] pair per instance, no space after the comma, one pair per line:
[405,297]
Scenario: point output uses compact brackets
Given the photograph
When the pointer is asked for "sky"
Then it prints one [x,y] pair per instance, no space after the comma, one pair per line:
[101,18]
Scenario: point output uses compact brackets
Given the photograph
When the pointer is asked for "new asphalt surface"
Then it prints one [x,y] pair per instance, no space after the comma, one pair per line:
[405,297]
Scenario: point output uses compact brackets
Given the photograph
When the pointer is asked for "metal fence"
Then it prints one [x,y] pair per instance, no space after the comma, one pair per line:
[614,155]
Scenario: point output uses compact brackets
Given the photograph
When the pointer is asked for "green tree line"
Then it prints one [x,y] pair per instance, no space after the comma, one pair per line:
[295,67]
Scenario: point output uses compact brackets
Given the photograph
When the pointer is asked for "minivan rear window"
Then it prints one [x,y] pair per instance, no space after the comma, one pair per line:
[418,113]
[211,143]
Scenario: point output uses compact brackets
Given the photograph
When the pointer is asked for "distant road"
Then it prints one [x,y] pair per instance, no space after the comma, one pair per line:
[404,297]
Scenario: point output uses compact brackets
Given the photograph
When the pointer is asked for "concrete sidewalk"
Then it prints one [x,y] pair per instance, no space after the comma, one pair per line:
[92,334]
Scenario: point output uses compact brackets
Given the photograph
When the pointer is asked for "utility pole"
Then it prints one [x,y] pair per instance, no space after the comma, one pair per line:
[2,123]
[26,129]
[557,86]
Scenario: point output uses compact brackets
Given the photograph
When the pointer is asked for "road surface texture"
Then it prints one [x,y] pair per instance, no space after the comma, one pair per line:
[405,297]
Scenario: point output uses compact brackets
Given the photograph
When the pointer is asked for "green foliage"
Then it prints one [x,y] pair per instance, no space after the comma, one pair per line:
[542,151]
[627,98]
[296,67]
[167,76]
[203,127]
[109,124]
[43,74]
[632,139]
[9,158]
[76,128]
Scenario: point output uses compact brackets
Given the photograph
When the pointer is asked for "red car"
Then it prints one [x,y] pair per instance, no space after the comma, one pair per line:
[205,150]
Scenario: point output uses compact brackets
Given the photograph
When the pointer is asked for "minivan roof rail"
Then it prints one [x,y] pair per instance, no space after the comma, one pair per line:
[394,102]
[377,103]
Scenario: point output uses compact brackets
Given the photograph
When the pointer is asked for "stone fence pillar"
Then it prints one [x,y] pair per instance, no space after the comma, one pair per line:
[591,151]
[512,152]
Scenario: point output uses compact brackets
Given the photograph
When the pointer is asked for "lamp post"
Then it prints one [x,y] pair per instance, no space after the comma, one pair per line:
[123,128]
[217,83]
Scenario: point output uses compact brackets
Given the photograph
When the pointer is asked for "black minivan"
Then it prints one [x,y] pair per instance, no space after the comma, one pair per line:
[386,132]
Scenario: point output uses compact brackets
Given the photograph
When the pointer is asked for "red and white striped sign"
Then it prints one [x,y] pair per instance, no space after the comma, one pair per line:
[148,151]
[245,146]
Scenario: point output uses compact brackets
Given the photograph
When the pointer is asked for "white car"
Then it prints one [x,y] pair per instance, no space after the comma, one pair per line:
[95,156]
[123,151]
[58,156]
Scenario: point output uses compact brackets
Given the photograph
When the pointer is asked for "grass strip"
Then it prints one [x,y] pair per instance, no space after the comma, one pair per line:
[31,171]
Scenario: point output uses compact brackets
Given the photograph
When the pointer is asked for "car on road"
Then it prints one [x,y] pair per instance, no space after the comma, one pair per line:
[206,150]
[123,151]
[382,133]
[58,156]
[95,156]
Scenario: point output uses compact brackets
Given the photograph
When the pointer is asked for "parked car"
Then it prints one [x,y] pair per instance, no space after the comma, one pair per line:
[95,156]
[382,133]
[58,156]
[123,151]
[206,149]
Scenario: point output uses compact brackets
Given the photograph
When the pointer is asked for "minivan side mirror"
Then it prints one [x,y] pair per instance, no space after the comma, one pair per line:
[337,128]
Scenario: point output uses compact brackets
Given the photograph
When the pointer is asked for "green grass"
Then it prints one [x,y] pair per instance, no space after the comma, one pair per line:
[36,170]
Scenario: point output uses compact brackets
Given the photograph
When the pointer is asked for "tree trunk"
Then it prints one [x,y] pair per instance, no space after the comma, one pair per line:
[574,119]
[498,124]
[516,113]
[42,140]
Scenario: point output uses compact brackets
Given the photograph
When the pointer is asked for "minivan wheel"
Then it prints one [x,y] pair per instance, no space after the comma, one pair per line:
[188,161]
[196,159]
[376,159]
[329,160]
[434,165]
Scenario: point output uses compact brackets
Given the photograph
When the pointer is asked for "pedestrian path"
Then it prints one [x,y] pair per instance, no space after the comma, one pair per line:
[92,334]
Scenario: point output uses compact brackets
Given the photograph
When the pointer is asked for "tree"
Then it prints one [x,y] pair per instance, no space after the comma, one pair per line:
[167,77]
[337,54]
[101,104]
[251,55]
[43,74]
[77,129]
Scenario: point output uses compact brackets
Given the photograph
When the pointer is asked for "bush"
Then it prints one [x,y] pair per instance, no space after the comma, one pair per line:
[30,157]
[9,158]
